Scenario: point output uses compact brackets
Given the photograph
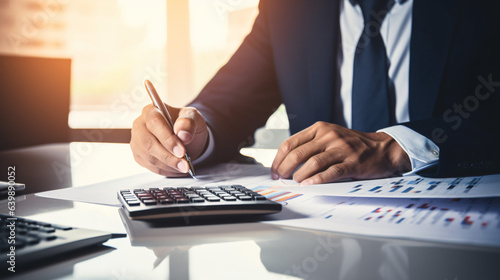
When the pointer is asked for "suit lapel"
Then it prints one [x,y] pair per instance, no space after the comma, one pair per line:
[433,29]
[323,18]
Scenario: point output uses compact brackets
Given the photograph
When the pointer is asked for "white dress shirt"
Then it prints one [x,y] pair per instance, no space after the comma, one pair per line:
[396,34]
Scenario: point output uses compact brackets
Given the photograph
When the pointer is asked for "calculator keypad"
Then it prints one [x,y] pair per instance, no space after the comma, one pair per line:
[183,195]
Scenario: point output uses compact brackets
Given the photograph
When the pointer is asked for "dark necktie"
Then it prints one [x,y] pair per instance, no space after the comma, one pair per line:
[370,96]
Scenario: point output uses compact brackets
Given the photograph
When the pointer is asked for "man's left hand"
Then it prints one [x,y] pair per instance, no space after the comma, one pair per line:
[330,152]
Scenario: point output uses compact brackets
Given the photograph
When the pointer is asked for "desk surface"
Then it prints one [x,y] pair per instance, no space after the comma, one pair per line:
[229,251]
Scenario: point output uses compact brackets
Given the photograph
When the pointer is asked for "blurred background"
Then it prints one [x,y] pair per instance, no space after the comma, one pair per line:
[114,45]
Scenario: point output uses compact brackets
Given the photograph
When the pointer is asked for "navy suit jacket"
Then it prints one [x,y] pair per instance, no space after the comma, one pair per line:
[290,57]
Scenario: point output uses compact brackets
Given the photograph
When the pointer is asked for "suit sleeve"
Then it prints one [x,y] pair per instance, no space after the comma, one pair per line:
[467,148]
[467,130]
[242,95]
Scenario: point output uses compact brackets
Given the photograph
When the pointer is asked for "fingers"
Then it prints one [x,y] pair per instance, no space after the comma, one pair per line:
[332,173]
[189,123]
[296,157]
[155,146]
[158,126]
[280,166]
[156,166]
[327,165]
[330,153]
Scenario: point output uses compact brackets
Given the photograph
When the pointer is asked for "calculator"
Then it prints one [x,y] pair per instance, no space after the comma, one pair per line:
[195,201]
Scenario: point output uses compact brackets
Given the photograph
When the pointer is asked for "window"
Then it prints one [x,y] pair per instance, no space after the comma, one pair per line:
[115,44]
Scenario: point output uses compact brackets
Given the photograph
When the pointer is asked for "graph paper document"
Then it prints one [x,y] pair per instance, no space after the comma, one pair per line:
[410,186]
[474,221]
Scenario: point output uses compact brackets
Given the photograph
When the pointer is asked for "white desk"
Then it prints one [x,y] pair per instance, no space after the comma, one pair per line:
[230,251]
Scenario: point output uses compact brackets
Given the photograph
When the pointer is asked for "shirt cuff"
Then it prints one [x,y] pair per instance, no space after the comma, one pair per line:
[423,153]
[209,150]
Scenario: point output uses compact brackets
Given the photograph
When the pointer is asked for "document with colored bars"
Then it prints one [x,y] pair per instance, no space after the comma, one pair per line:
[451,210]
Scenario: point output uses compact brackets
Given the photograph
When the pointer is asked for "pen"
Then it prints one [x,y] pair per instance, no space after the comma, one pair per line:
[163,109]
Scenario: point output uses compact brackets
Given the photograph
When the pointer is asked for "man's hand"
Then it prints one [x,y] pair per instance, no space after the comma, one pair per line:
[156,147]
[330,152]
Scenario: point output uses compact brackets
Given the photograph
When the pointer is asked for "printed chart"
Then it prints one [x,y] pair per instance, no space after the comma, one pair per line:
[411,186]
[462,220]
[273,193]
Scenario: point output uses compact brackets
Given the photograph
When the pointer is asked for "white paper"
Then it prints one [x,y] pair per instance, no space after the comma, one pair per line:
[106,192]
[473,221]
[410,186]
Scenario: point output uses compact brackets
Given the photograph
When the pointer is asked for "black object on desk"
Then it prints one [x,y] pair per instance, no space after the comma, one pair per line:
[27,241]
[34,101]
[184,202]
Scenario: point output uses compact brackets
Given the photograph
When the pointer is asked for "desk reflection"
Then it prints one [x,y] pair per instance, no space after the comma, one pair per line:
[298,254]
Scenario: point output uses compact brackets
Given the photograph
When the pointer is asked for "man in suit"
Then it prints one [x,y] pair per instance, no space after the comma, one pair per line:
[372,88]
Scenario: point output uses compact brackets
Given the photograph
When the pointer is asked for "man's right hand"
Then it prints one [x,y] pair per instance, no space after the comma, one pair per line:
[156,147]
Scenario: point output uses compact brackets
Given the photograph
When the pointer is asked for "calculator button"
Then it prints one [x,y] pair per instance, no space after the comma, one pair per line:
[229,198]
[204,193]
[182,200]
[197,199]
[244,197]
[238,194]
[166,201]
[213,199]
[220,193]
[149,202]
[259,197]
[133,203]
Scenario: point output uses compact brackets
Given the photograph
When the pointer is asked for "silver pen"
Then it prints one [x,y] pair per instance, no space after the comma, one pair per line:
[163,109]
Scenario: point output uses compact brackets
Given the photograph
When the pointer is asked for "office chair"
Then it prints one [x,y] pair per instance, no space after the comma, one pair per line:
[34,101]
